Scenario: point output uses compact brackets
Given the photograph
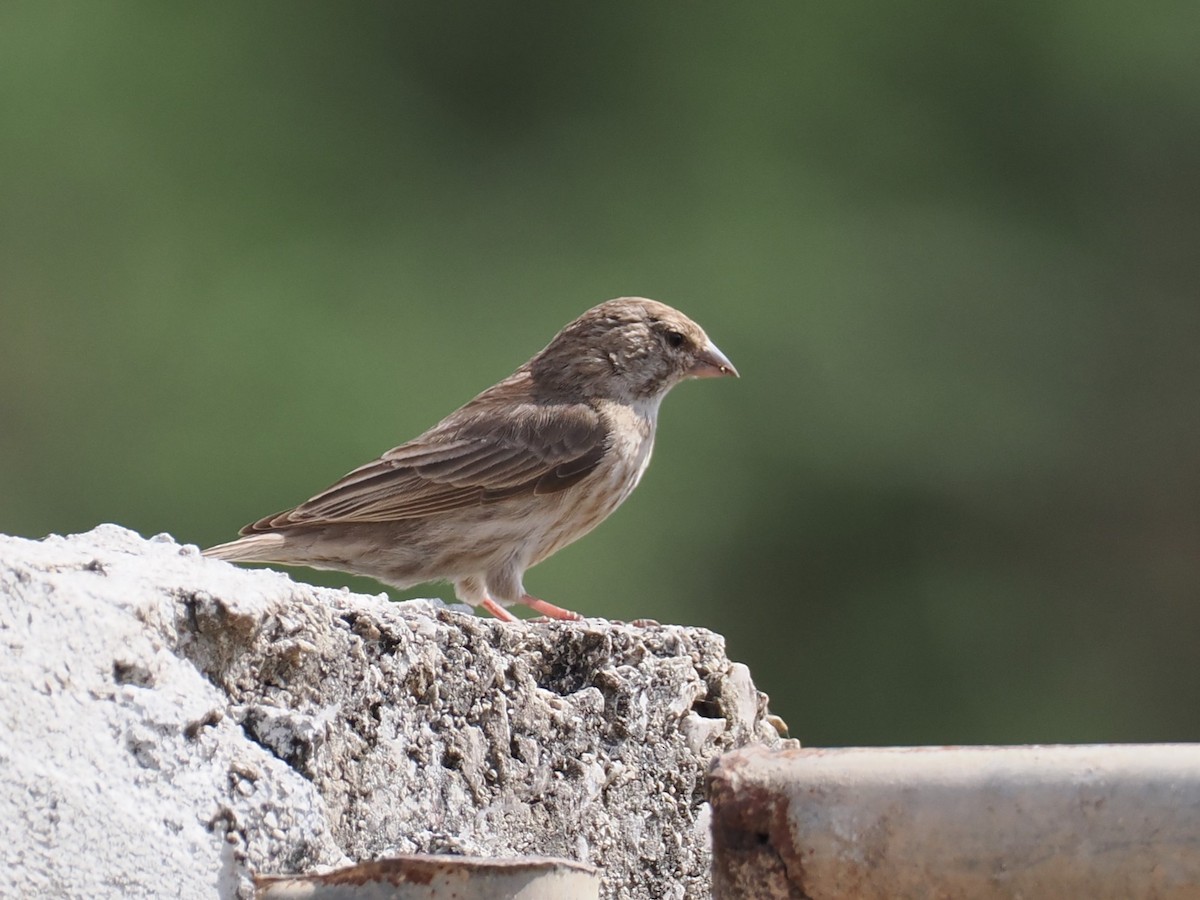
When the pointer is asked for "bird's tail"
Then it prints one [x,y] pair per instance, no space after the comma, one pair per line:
[251,548]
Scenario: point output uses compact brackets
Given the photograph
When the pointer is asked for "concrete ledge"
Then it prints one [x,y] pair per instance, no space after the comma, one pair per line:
[172,725]
[1099,822]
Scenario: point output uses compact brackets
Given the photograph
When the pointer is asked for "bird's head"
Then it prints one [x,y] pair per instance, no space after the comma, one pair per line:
[628,349]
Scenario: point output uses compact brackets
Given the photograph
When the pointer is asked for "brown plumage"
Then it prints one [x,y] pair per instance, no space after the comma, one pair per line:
[522,470]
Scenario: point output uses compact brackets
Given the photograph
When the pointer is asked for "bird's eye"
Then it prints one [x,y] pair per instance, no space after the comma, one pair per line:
[675,339]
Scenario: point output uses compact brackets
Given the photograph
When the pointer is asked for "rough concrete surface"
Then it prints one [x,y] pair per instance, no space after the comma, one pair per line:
[172,725]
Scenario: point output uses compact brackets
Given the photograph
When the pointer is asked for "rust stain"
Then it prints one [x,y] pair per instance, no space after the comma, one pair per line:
[754,849]
[421,869]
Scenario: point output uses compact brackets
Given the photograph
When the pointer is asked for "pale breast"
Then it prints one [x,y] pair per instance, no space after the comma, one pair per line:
[589,503]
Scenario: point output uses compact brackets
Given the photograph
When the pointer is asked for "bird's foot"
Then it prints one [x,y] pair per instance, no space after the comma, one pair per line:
[497,610]
[549,610]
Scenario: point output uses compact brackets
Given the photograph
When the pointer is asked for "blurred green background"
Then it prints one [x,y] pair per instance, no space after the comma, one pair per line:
[954,250]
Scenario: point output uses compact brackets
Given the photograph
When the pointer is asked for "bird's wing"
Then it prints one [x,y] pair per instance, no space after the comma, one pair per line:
[473,458]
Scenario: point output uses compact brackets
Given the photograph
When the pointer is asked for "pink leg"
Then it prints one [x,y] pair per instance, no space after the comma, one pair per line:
[549,610]
[497,610]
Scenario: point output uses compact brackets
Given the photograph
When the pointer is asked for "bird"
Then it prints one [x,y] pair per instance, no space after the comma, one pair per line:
[526,467]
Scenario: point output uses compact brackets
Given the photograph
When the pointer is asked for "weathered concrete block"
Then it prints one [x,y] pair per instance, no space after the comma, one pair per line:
[170,725]
[1039,823]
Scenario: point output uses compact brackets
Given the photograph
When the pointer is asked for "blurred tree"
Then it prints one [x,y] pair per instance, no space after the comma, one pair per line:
[243,248]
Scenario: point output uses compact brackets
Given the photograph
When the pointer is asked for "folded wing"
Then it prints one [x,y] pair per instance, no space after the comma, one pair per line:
[470,459]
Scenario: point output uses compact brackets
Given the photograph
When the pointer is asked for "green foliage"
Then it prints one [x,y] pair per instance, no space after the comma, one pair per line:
[952,249]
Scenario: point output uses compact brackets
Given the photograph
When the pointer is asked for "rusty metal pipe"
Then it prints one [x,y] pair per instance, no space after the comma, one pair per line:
[439,877]
[1105,821]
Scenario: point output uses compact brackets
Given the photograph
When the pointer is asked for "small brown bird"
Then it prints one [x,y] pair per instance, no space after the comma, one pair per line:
[527,467]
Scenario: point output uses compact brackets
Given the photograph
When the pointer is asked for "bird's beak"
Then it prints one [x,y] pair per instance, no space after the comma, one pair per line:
[712,363]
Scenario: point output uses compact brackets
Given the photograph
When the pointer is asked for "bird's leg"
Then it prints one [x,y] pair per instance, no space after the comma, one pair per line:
[549,610]
[497,610]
